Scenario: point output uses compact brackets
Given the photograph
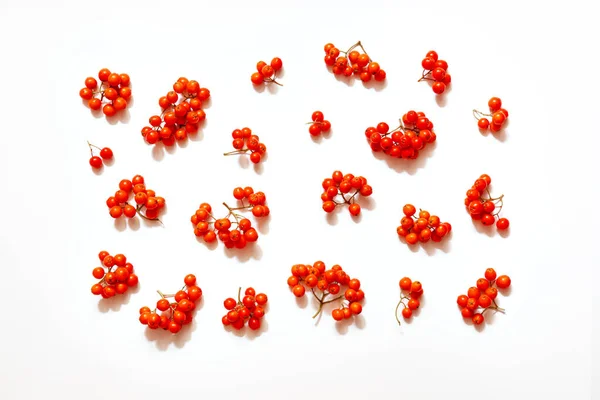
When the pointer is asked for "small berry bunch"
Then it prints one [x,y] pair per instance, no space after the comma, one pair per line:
[325,282]
[242,232]
[411,291]
[181,112]
[482,296]
[436,71]
[244,141]
[116,275]
[174,314]
[405,141]
[422,229]
[113,87]
[251,308]
[319,124]
[485,209]
[105,154]
[267,72]
[338,186]
[148,205]
[353,63]
[497,114]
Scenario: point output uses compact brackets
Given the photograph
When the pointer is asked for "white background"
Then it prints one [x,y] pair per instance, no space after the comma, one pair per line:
[59,340]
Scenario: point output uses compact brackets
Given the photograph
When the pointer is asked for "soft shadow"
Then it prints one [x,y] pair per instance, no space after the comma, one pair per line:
[505,292]
[115,303]
[407,165]
[243,160]
[259,88]
[251,251]
[348,80]
[210,245]
[332,217]
[158,151]
[272,88]
[368,203]
[378,86]
[163,338]
[98,171]
[343,326]
[442,99]
[253,334]
[444,245]
[120,224]
[301,302]
[263,224]
[122,116]
[133,223]
[199,134]
[489,230]
[356,219]
[505,233]
[259,168]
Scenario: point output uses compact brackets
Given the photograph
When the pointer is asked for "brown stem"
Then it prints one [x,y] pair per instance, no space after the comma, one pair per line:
[236,152]
[239,292]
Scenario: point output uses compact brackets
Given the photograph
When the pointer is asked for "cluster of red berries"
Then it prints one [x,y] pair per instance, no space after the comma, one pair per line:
[251,308]
[244,141]
[181,112]
[405,141]
[325,282]
[242,232]
[113,87]
[436,71]
[105,154]
[267,72]
[319,124]
[423,228]
[338,186]
[116,275]
[148,205]
[497,115]
[411,292]
[482,296]
[173,314]
[353,63]
[485,209]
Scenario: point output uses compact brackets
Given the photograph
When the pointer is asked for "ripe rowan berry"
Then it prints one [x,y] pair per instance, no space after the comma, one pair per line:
[113,87]
[411,291]
[495,119]
[266,73]
[114,277]
[482,298]
[354,63]
[435,71]
[485,208]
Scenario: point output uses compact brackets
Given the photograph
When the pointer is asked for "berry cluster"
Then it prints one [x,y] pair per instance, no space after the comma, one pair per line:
[147,206]
[244,141]
[113,87]
[251,308]
[113,282]
[423,228]
[328,282]
[353,63]
[436,71]
[319,124]
[487,208]
[338,186]
[411,292]
[405,141]
[267,72]
[497,115]
[173,314]
[105,154]
[243,232]
[482,296]
[181,112]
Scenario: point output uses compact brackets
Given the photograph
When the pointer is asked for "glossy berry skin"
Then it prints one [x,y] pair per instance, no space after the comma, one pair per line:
[96,162]
[111,96]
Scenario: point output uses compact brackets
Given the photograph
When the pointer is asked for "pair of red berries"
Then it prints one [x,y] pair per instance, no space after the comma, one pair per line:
[323,283]
[116,275]
[234,230]
[353,63]
[97,161]
[113,87]
[174,314]
[409,297]
[319,124]
[485,208]
[148,205]
[267,73]
[338,188]
[245,142]
[405,141]
[497,116]
[436,71]
[423,228]
[250,309]
[482,296]
[181,113]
